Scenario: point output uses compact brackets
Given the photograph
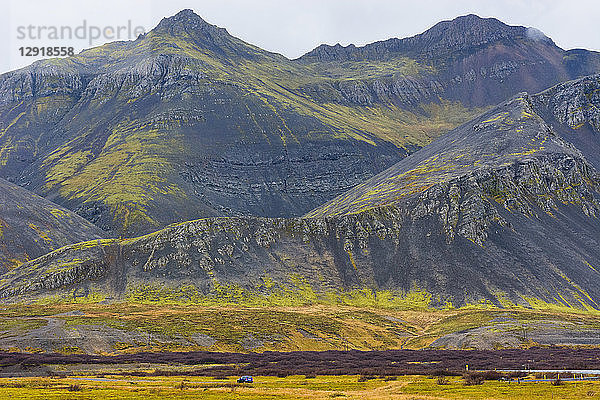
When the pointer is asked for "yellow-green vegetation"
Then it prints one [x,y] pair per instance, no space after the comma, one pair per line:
[291,387]
[58,213]
[40,233]
[20,325]
[395,125]
[11,124]
[300,294]
[131,170]
[282,85]
[455,389]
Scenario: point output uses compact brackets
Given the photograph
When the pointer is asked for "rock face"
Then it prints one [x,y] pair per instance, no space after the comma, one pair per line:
[188,121]
[31,226]
[501,209]
[573,109]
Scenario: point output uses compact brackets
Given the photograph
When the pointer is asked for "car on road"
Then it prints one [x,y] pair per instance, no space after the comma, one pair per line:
[245,379]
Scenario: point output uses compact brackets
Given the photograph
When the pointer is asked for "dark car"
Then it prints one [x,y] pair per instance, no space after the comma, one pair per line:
[245,379]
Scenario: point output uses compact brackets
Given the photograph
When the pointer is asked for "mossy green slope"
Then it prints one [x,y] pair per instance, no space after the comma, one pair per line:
[31,226]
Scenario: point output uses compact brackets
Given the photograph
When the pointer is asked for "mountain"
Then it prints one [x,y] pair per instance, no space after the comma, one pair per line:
[476,61]
[31,226]
[501,209]
[188,121]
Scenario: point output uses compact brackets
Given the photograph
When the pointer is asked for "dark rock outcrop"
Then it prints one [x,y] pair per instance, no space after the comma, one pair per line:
[573,108]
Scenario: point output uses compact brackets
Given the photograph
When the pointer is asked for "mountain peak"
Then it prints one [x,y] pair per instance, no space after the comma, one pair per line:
[190,27]
[185,17]
[472,23]
[461,34]
[472,30]
[187,21]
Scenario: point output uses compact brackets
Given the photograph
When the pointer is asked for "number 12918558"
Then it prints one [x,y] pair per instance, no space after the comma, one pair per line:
[55,51]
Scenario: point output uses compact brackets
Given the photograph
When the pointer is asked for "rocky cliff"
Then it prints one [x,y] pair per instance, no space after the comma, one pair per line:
[573,109]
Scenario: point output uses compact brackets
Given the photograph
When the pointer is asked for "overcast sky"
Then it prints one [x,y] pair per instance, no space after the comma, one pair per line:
[289,27]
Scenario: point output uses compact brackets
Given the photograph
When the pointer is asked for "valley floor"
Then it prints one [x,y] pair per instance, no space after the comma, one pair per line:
[291,387]
[72,328]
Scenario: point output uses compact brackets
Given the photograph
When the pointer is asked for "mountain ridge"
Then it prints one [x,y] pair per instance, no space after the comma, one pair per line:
[475,31]
[468,50]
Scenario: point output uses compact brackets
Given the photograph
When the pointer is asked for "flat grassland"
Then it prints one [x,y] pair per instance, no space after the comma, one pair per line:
[96,328]
[148,334]
[291,387]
